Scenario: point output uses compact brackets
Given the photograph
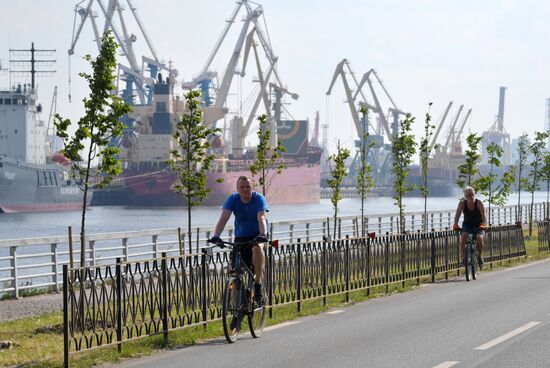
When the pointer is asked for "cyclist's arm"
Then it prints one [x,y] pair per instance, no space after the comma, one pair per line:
[482,210]
[224,217]
[459,210]
[262,222]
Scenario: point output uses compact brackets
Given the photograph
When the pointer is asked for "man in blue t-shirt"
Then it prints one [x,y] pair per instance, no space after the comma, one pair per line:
[249,208]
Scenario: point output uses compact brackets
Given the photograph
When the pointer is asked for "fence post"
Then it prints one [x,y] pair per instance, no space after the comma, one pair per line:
[291,230]
[155,246]
[125,249]
[164,270]
[204,287]
[432,235]
[15,278]
[347,269]
[380,225]
[387,261]
[118,304]
[270,276]
[65,317]
[446,258]
[55,265]
[324,271]
[299,275]
[403,246]
[92,253]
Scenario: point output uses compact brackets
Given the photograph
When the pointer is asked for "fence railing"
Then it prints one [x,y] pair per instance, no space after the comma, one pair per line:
[107,305]
[34,263]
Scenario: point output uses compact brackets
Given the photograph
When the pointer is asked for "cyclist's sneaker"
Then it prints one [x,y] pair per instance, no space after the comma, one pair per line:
[480,262]
[233,324]
[258,294]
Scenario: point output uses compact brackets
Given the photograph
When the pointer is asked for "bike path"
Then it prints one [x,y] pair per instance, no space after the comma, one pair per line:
[437,325]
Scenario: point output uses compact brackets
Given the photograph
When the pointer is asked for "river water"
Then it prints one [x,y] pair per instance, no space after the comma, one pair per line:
[118,218]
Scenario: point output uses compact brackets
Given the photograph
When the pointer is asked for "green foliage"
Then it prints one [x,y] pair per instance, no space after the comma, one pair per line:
[337,172]
[191,161]
[468,170]
[403,149]
[267,158]
[97,127]
[537,153]
[496,195]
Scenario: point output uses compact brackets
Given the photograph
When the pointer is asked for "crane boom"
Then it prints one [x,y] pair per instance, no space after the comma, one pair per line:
[440,125]
[446,146]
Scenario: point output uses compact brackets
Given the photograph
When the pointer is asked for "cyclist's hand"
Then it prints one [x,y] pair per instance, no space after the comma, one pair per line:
[261,239]
[456,227]
[216,240]
[482,227]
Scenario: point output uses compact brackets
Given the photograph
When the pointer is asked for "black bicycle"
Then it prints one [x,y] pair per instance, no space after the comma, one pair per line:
[470,255]
[238,297]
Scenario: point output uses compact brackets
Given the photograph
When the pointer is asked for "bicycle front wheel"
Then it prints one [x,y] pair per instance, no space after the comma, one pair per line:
[467,262]
[231,313]
[256,317]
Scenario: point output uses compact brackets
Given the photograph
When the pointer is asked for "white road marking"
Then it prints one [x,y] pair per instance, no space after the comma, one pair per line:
[336,311]
[446,364]
[507,336]
[274,327]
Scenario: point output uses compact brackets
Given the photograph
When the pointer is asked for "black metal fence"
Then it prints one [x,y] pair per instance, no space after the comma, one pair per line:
[108,305]
[543,231]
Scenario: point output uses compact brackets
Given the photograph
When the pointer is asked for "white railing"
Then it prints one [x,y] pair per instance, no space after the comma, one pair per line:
[34,263]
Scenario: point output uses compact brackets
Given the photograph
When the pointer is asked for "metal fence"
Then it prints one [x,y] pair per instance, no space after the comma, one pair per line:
[543,235]
[107,305]
[35,263]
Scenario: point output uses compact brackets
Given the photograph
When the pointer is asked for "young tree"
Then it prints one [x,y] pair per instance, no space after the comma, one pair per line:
[191,160]
[485,184]
[95,129]
[337,173]
[424,156]
[364,176]
[537,150]
[268,162]
[545,172]
[523,153]
[403,149]
[468,170]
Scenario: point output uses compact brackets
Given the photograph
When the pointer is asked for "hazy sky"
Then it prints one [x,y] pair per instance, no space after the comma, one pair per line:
[424,50]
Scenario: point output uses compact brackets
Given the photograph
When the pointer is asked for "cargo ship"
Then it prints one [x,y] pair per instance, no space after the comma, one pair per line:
[148,181]
[32,178]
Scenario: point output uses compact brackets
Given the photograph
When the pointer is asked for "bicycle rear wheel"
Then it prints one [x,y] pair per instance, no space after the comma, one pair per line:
[256,317]
[473,260]
[231,313]
[467,262]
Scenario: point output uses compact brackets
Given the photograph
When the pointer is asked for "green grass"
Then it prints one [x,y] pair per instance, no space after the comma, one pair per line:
[44,349]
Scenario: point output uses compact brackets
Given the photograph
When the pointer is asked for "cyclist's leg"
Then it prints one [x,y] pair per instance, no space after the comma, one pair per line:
[479,243]
[258,260]
[463,239]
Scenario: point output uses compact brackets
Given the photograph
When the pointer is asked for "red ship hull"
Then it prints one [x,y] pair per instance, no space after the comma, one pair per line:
[295,184]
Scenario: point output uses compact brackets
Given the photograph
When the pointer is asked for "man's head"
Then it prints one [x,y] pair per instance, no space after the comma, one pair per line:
[244,188]
[469,192]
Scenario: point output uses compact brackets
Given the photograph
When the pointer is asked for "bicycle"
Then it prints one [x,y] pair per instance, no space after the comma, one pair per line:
[238,297]
[470,255]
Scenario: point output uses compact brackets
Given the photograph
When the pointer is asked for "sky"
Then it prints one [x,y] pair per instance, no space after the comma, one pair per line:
[424,50]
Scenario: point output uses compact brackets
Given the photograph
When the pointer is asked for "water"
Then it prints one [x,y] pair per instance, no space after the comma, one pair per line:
[119,218]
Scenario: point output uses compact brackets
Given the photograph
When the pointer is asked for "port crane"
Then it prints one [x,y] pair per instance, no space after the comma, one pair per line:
[379,153]
[215,91]
[139,79]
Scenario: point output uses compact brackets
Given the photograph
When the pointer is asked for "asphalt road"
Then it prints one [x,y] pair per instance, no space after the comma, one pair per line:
[500,320]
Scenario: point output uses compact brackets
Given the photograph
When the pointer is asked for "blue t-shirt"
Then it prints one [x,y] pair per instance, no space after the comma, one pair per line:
[246,215]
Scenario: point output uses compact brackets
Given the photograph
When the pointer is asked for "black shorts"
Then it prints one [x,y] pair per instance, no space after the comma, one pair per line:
[246,253]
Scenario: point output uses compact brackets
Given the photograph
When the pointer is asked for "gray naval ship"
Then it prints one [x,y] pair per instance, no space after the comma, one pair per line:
[32,177]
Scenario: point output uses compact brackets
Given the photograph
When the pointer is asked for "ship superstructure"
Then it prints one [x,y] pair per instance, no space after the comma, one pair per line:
[29,179]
